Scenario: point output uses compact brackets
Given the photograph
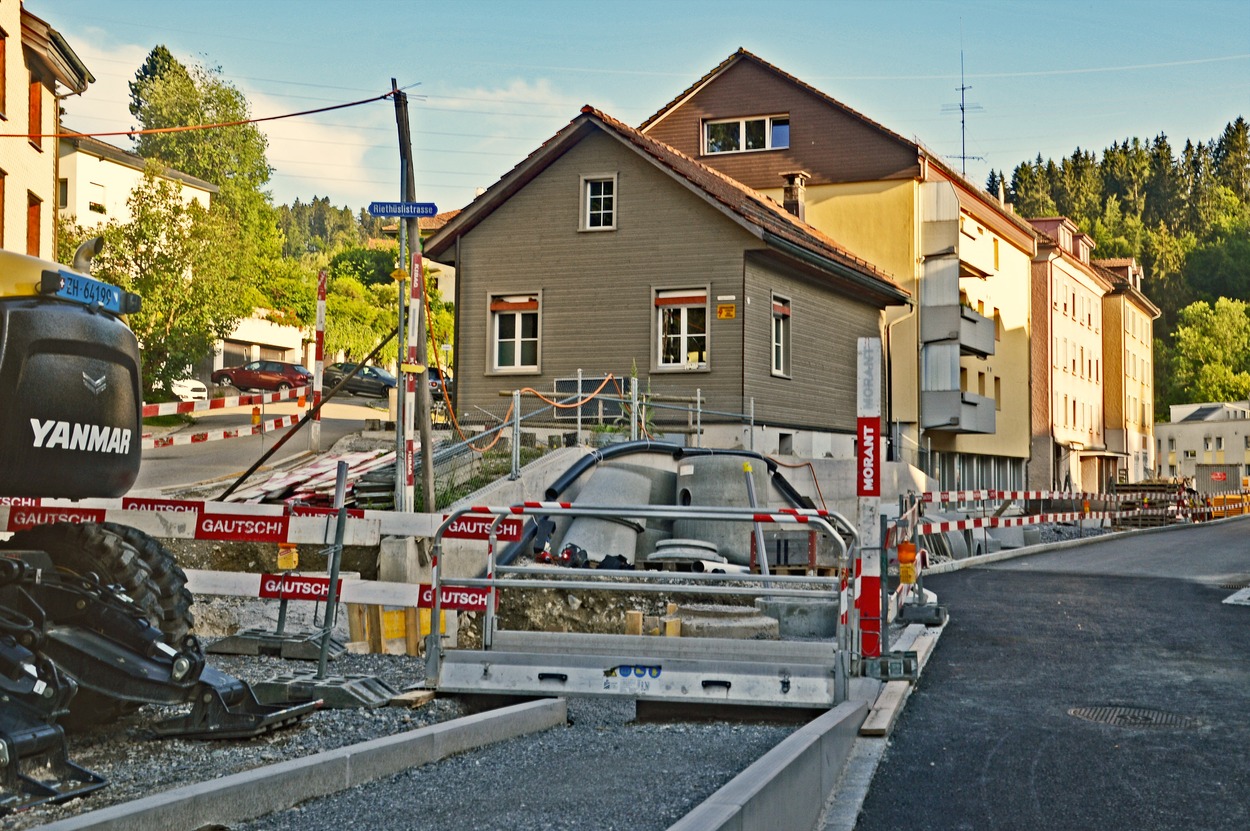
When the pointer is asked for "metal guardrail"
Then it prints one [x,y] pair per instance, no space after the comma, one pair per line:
[840,530]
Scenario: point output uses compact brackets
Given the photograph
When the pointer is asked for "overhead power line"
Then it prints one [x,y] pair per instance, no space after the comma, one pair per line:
[188,127]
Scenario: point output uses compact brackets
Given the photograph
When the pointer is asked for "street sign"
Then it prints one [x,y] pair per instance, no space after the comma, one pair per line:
[402,209]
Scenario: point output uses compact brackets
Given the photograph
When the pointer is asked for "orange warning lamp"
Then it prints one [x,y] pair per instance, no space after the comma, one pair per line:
[907,562]
[255,416]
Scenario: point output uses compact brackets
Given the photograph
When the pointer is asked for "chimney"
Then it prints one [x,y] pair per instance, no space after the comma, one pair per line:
[794,198]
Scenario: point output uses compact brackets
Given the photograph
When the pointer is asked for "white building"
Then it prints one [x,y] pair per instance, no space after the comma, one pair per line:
[96,180]
[1209,434]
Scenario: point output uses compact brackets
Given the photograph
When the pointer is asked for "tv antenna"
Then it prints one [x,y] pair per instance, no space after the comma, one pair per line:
[964,108]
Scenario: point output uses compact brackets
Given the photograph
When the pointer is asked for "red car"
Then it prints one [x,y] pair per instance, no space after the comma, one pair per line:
[263,375]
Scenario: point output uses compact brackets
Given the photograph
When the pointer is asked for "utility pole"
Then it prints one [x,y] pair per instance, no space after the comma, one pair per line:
[416,392]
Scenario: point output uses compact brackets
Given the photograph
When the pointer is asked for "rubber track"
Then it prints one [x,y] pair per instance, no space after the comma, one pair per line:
[177,620]
[84,548]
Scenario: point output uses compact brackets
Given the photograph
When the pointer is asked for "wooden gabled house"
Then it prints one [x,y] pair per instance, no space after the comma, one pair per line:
[606,250]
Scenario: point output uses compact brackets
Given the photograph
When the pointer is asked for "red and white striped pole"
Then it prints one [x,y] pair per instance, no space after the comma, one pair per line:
[868,489]
[415,310]
[314,429]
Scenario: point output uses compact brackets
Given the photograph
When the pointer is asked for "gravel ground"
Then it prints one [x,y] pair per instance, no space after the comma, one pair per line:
[596,773]
[603,771]
[136,766]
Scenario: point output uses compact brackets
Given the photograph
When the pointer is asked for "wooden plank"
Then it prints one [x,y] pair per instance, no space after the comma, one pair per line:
[413,698]
[356,622]
[373,620]
[412,631]
[924,647]
[886,709]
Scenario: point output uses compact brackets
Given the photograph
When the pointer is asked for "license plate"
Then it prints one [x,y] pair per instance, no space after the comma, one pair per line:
[90,292]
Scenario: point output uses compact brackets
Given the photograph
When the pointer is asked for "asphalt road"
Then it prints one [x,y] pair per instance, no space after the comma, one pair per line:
[183,464]
[987,740]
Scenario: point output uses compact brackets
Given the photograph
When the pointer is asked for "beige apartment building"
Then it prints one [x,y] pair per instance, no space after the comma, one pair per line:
[1128,352]
[36,65]
[1069,447]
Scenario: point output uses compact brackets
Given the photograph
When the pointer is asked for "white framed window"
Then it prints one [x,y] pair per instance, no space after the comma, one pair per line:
[598,203]
[1191,454]
[681,327]
[514,321]
[781,336]
[740,135]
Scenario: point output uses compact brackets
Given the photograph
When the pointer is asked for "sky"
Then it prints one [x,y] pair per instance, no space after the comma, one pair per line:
[489,80]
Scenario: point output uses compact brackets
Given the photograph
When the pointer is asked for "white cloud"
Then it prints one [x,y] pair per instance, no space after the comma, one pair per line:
[348,155]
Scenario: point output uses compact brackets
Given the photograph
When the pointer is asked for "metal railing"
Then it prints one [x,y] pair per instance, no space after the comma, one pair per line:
[840,531]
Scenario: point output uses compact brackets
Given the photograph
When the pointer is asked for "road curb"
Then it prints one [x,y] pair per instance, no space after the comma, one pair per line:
[254,793]
[776,790]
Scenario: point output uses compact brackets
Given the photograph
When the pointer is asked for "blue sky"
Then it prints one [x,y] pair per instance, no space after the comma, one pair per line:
[488,81]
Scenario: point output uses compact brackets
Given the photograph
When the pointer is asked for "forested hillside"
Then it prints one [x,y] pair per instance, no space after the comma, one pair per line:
[1186,217]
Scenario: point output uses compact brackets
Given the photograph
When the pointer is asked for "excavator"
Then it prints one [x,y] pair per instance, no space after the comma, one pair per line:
[95,618]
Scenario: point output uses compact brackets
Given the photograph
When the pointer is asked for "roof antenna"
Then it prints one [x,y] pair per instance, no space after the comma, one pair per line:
[964,108]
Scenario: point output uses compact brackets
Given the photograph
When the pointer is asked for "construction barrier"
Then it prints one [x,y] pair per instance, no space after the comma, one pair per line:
[150,443]
[181,407]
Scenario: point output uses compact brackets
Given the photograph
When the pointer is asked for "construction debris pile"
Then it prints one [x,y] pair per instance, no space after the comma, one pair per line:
[370,482]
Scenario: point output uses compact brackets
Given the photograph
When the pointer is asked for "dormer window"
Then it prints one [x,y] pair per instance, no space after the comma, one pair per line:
[738,135]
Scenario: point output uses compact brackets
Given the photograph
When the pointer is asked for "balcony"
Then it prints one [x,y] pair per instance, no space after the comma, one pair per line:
[974,331]
[957,411]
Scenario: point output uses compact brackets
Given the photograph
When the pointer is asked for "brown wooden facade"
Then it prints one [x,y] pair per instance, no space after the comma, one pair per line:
[597,290]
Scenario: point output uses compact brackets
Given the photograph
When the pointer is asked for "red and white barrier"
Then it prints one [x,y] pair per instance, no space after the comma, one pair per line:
[150,443]
[179,407]
[294,586]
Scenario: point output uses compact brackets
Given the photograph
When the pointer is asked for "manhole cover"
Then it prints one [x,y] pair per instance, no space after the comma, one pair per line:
[1132,717]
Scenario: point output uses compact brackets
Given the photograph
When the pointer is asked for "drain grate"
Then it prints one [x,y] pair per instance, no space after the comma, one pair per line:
[1236,585]
[1133,717]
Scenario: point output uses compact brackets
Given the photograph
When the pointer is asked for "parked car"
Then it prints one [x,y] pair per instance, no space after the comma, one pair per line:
[436,385]
[370,380]
[264,375]
[189,389]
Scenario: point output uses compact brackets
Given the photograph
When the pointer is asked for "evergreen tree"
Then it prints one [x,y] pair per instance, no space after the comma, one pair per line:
[1078,192]
[1165,188]
[1030,190]
[1231,159]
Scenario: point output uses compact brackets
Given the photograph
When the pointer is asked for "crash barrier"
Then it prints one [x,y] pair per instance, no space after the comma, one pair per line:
[583,678]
